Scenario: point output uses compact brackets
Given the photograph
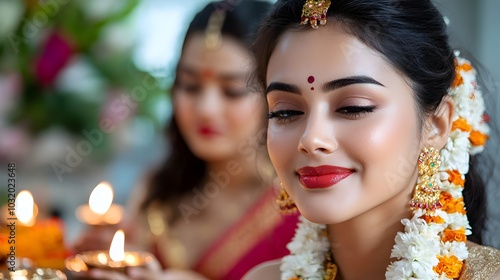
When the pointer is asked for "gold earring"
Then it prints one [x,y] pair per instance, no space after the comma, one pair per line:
[427,192]
[284,202]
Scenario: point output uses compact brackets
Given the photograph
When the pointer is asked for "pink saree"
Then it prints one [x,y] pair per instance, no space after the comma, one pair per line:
[261,235]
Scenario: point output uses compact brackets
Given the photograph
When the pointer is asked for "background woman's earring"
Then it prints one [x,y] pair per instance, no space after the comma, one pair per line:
[284,202]
[427,192]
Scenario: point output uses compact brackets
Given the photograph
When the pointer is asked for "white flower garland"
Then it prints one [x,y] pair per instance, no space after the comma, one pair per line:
[432,245]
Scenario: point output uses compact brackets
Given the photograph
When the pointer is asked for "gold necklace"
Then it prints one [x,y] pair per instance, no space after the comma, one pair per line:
[331,269]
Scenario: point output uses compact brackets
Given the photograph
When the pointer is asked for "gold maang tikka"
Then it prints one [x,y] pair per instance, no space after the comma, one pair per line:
[427,192]
[214,29]
[314,12]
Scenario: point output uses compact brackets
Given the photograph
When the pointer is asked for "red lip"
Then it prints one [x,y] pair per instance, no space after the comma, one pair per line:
[207,131]
[322,176]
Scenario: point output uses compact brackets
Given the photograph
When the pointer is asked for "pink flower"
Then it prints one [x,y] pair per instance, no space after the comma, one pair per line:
[55,54]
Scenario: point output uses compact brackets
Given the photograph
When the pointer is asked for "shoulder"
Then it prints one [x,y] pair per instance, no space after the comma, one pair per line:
[483,263]
[269,270]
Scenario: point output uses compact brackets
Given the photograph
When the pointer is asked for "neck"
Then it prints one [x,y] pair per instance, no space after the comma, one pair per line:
[361,247]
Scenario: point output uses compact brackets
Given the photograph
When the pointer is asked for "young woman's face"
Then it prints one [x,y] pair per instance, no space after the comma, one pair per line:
[215,111]
[344,131]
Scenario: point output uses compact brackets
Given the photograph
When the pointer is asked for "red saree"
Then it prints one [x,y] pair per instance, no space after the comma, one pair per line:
[261,235]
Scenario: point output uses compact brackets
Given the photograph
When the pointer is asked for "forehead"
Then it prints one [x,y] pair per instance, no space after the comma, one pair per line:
[228,58]
[326,53]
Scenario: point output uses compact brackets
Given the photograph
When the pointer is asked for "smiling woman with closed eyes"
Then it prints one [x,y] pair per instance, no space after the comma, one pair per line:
[358,115]
[372,120]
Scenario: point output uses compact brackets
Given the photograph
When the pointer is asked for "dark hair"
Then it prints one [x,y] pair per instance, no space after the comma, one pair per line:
[182,171]
[412,37]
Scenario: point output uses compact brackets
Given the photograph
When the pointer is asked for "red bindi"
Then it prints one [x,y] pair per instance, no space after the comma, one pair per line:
[312,88]
[310,79]
[207,73]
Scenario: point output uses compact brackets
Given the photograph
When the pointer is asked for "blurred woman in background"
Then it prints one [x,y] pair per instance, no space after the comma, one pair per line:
[209,211]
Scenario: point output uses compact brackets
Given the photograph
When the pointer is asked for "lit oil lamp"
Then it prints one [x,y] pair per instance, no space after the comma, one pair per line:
[116,259]
[26,209]
[39,240]
[39,273]
[100,210]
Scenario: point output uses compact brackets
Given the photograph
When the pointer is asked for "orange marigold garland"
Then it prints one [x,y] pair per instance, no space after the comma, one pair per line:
[468,137]
[470,125]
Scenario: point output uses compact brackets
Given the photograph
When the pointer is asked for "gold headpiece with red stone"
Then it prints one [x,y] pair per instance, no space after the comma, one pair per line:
[314,12]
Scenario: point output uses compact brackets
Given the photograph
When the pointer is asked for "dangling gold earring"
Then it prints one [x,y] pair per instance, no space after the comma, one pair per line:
[427,192]
[284,202]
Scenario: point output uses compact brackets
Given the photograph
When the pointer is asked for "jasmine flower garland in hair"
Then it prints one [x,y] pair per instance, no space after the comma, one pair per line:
[433,244]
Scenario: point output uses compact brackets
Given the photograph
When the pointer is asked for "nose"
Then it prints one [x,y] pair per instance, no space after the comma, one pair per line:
[209,102]
[319,136]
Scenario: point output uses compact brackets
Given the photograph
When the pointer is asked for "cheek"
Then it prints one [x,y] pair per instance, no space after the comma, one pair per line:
[387,147]
[182,108]
[282,143]
[389,136]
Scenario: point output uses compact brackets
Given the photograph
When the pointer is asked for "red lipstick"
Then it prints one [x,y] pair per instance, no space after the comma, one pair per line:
[323,176]
[207,131]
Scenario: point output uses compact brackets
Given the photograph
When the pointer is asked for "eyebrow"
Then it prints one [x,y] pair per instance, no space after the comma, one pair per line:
[344,82]
[225,76]
[279,86]
[329,86]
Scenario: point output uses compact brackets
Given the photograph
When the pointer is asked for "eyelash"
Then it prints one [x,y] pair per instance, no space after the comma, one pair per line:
[351,112]
[284,115]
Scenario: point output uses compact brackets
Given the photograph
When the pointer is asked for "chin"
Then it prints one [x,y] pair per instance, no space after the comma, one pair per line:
[209,156]
[206,150]
[322,215]
[317,219]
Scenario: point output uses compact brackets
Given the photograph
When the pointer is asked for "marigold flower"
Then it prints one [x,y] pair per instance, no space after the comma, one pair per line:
[454,235]
[445,197]
[455,178]
[459,80]
[451,205]
[477,138]
[433,219]
[451,266]
[461,124]
[464,67]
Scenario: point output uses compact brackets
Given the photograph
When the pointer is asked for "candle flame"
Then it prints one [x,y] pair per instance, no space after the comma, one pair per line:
[101,198]
[117,248]
[24,207]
